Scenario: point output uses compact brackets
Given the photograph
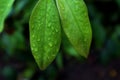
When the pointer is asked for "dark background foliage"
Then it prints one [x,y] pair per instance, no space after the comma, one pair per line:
[103,62]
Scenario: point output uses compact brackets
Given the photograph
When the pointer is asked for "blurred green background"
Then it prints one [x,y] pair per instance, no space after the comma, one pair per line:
[103,62]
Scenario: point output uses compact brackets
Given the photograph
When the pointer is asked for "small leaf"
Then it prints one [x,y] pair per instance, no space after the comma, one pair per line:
[5,7]
[76,25]
[45,32]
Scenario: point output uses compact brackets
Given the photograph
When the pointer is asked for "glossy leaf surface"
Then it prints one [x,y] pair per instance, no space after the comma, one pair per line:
[76,25]
[5,7]
[45,32]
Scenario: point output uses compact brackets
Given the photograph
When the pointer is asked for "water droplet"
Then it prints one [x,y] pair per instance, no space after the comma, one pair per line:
[48,38]
[62,6]
[38,40]
[32,48]
[33,36]
[76,1]
[76,8]
[53,32]
[33,45]
[49,24]
[56,30]
[85,40]
[46,48]
[39,25]
[50,44]
[52,28]
[53,55]
[35,49]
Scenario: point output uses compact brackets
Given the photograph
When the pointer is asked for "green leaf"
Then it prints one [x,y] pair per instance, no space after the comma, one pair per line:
[5,7]
[45,32]
[68,48]
[59,61]
[76,25]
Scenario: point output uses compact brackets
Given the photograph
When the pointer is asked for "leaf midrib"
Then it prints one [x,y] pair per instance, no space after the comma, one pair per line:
[77,23]
[44,39]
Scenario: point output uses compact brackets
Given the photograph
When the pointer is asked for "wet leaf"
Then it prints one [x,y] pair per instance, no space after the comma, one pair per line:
[5,7]
[75,23]
[45,32]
